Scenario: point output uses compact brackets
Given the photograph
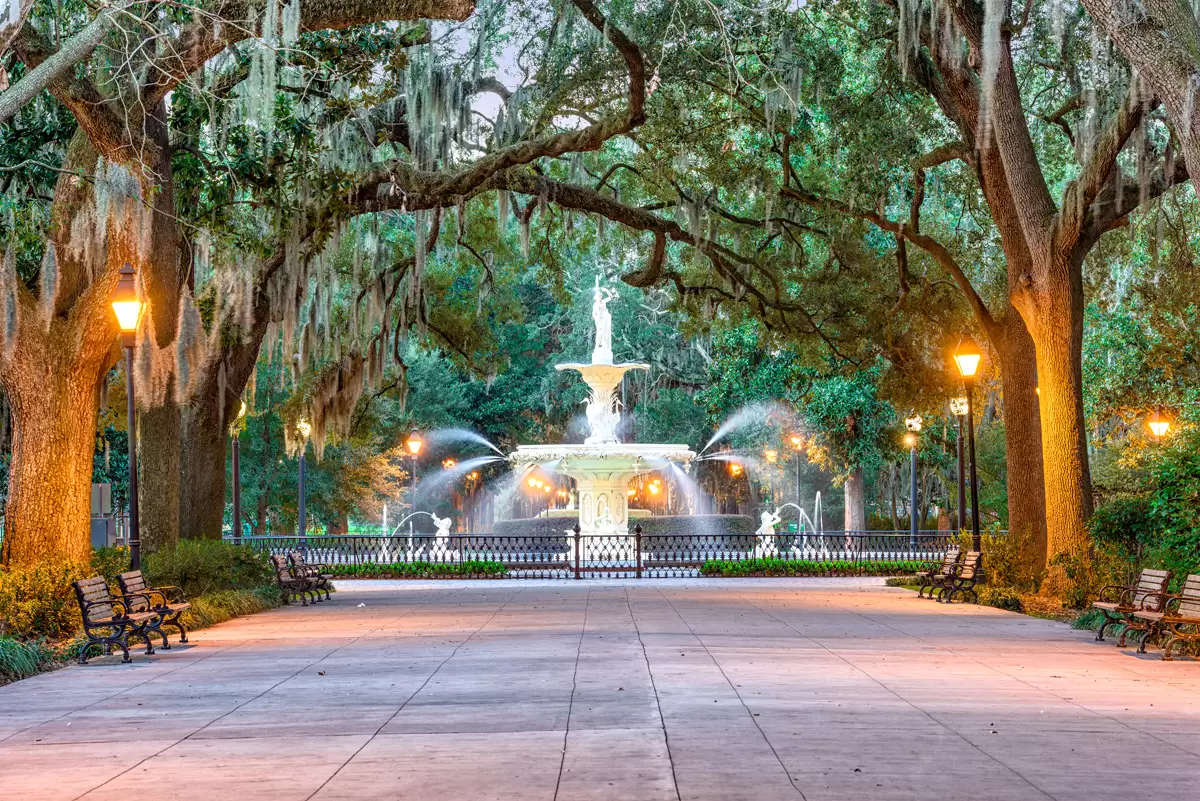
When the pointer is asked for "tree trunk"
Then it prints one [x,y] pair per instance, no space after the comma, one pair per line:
[1023,441]
[50,479]
[855,517]
[202,491]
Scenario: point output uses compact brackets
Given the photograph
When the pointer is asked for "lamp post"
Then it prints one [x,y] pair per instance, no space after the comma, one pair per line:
[797,445]
[304,429]
[772,456]
[127,306]
[958,406]
[413,443]
[913,424]
[235,429]
[967,356]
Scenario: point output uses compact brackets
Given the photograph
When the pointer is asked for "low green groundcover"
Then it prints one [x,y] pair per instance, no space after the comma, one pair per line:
[415,570]
[808,567]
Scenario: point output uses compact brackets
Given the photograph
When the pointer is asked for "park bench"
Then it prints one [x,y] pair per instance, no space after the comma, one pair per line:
[962,579]
[1179,617]
[167,601]
[321,581]
[108,621]
[292,584]
[1118,602]
[933,572]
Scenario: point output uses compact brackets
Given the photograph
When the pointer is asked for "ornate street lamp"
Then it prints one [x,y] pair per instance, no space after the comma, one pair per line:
[127,306]
[797,442]
[958,407]
[967,356]
[303,429]
[1158,423]
[913,424]
[235,429]
[414,444]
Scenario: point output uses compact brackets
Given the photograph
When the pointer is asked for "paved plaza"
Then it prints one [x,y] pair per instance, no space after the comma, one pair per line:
[692,689]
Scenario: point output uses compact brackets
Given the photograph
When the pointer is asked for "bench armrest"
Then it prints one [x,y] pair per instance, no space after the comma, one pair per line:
[1114,591]
[115,603]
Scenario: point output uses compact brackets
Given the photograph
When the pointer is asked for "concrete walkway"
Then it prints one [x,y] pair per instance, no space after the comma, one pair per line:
[722,690]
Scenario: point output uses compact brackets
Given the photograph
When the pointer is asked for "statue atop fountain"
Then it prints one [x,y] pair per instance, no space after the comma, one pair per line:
[603,465]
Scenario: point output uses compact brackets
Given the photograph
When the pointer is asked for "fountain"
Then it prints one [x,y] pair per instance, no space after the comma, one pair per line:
[602,466]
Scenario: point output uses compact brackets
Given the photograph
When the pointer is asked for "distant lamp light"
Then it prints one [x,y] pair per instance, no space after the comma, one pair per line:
[913,423]
[304,427]
[967,355]
[1158,424]
[125,301]
[654,488]
[797,441]
[533,481]
[735,469]
[474,476]
[631,492]
[771,455]
[958,406]
[910,439]
[549,488]
[414,442]
[449,464]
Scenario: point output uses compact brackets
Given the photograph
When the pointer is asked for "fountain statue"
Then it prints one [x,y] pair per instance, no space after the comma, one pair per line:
[603,465]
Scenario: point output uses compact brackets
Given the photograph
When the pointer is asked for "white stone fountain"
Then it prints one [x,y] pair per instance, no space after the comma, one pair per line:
[602,466]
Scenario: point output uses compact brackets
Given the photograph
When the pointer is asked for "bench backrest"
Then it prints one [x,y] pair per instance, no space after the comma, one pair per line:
[282,568]
[1189,597]
[1151,582]
[94,590]
[970,565]
[296,558]
[133,582]
[950,559]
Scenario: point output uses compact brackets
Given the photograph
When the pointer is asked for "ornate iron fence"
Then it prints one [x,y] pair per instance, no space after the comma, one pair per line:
[596,556]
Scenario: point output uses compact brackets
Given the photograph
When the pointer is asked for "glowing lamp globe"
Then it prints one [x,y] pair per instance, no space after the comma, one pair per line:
[126,304]
[797,441]
[1158,424]
[967,356]
[910,440]
[958,406]
[304,427]
[913,423]
[414,442]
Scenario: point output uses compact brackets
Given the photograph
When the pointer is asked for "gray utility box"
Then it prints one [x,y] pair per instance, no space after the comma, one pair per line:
[104,525]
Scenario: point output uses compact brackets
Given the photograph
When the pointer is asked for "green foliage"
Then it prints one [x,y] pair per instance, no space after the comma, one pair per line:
[1002,598]
[1004,564]
[110,562]
[202,567]
[20,659]
[415,570]
[38,601]
[807,567]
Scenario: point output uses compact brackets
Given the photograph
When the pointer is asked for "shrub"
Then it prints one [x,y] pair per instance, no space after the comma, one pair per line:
[1001,598]
[109,562]
[21,659]
[209,610]
[202,567]
[39,601]
[467,569]
[1004,559]
[806,567]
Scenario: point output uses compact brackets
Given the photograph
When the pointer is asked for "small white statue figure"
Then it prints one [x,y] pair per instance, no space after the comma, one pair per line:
[602,352]
[765,542]
[442,532]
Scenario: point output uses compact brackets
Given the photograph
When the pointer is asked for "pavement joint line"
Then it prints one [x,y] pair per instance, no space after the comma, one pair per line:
[884,686]
[415,692]
[654,687]
[284,680]
[741,700]
[119,692]
[562,763]
[1019,680]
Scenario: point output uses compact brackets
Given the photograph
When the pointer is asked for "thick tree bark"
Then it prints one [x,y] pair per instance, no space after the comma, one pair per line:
[855,515]
[1023,439]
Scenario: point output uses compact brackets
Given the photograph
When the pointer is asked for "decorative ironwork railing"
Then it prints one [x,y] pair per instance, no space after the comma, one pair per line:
[593,556]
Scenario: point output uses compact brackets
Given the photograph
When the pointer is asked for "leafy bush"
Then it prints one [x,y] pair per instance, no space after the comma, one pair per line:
[902,581]
[209,610]
[110,562]
[38,601]
[419,570]
[21,659]
[806,567]
[203,567]
[1001,598]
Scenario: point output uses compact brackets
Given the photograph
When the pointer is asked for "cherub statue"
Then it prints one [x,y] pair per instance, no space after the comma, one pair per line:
[765,542]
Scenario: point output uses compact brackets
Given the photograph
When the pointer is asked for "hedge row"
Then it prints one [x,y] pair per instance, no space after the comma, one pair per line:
[807,567]
[416,570]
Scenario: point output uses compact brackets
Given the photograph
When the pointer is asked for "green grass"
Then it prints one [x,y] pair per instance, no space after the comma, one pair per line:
[808,567]
[479,569]
[20,659]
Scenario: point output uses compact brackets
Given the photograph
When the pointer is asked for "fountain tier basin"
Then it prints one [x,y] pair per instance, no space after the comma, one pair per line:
[602,473]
